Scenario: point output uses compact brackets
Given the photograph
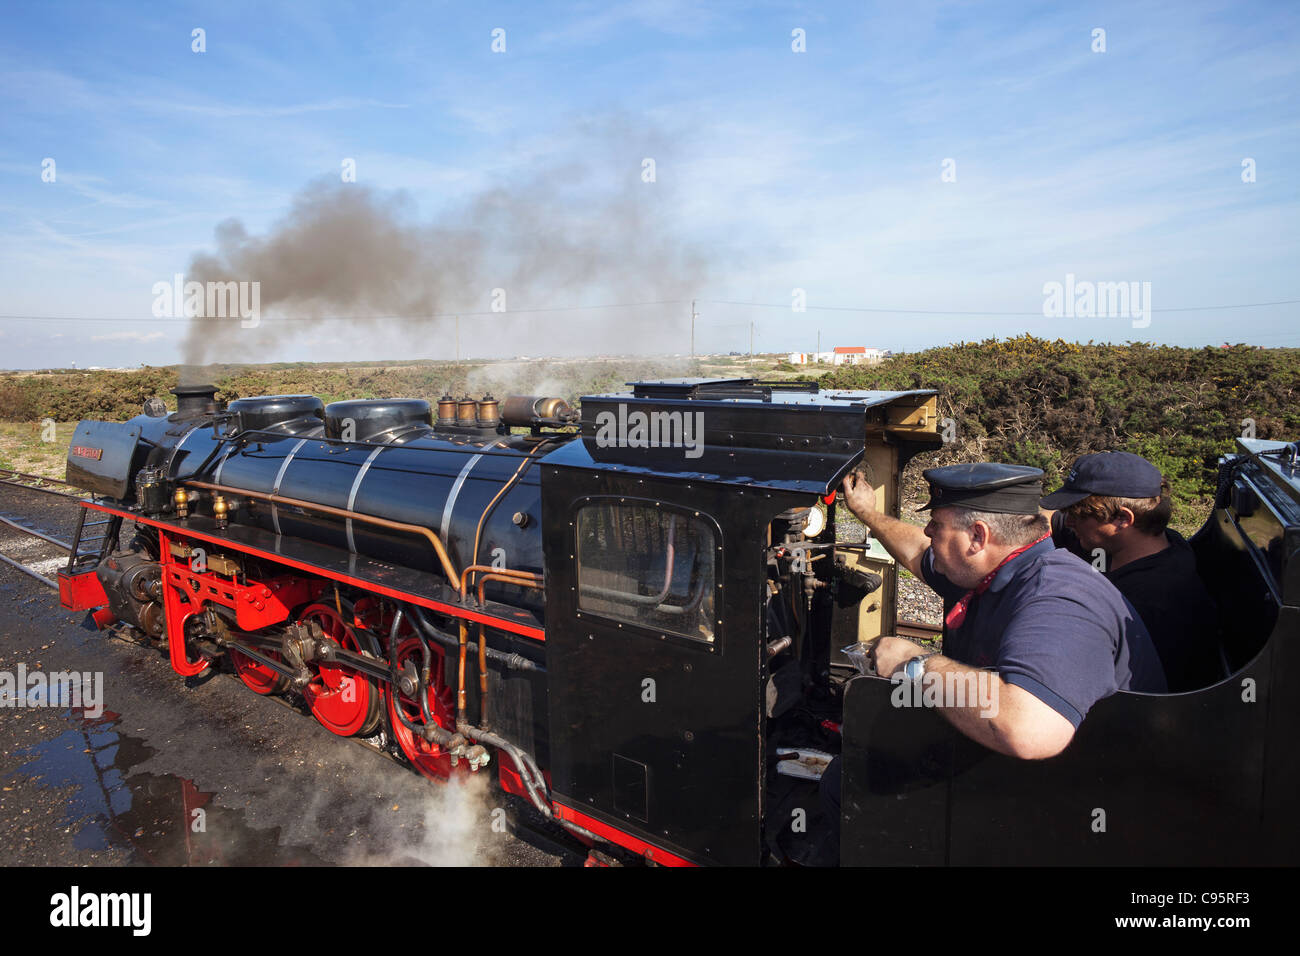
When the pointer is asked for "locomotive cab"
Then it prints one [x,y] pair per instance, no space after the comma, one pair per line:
[696,599]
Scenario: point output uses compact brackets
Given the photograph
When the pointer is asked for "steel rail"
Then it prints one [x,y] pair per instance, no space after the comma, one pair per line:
[28,571]
[28,476]
[37,534]
[17,478]
[919,629]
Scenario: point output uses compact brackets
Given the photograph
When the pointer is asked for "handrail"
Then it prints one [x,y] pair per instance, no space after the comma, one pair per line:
[448,568]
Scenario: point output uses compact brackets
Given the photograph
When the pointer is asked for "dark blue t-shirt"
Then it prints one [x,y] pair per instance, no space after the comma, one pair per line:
[1055,626]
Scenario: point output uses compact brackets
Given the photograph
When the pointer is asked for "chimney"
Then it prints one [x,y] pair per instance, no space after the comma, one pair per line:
[195,399]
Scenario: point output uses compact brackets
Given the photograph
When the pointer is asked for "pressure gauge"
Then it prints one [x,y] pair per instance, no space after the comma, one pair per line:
[816,523]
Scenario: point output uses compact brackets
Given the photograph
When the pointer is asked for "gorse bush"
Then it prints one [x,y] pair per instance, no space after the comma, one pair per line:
[1030,401]
[71,395]
[1022,400]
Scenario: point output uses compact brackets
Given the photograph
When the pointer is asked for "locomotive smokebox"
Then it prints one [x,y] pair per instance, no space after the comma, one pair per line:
[195,399]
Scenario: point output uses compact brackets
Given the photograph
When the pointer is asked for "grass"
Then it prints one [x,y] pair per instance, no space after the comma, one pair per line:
[23,447]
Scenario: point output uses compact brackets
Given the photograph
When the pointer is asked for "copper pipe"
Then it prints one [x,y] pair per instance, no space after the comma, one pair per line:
[460,680]
[533,581]
[478,532]
[509,578]
[448,568]
[482,676]
[482,637]
[531,576]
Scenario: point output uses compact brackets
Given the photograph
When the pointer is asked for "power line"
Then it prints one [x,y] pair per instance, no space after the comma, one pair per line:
[612,305]
[1039,314]
[341,318]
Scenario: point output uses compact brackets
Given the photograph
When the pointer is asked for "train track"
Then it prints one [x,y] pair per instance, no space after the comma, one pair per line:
[919,629]
[30,482]
[41,535]
[125,632]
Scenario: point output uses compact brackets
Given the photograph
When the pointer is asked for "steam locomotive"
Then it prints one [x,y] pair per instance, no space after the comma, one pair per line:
[640,618]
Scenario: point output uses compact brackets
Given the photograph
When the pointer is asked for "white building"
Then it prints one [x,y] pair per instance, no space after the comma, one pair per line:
[841,355]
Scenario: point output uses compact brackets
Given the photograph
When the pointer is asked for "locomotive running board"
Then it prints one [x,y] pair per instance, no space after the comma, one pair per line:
[403,584]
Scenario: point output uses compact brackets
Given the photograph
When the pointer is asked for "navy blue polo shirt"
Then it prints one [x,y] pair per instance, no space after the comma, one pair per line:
[1055,626]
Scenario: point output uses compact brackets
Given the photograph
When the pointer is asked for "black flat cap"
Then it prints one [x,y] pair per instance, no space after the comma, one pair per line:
[1120,474]
[987,486]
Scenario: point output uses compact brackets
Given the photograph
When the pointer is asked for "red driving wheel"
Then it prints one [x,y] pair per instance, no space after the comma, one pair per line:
[259,678]
[345,702]
[428,758]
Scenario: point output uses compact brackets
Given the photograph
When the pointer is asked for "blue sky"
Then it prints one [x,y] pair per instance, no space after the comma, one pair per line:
[818,170]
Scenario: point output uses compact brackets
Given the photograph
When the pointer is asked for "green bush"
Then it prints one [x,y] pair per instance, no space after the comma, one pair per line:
[1030,401]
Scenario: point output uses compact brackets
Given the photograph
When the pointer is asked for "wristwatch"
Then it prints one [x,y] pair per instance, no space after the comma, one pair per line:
[914,668]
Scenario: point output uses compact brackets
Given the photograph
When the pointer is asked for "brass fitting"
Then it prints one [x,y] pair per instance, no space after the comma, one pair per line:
[467,412]
[489,412]
[446,411]
[182,500]
[220,510]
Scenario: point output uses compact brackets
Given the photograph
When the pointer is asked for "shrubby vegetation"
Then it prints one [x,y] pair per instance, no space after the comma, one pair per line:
[71,395]
[1030,401]
[1023,400]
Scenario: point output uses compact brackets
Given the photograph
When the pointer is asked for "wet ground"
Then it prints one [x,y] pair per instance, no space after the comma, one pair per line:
[200,771]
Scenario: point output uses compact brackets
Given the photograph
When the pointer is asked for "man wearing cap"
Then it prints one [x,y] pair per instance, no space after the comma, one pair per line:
[1117,504]
[1058,635]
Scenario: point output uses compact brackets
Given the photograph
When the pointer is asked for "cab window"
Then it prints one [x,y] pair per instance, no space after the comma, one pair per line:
[648,564]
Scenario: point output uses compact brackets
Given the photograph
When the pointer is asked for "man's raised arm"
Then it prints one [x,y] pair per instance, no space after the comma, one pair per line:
[906,542]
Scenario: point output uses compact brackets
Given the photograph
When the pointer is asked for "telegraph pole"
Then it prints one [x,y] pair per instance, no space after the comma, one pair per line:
[458,339]
[819,345]
[751,340]
[694,315]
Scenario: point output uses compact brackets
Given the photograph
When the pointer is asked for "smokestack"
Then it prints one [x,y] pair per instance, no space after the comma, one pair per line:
[195,399]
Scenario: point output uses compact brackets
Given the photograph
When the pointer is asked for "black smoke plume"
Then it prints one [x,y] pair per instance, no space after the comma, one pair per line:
[351,266]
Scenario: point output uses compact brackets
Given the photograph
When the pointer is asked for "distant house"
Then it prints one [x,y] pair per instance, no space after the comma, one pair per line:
[841,355]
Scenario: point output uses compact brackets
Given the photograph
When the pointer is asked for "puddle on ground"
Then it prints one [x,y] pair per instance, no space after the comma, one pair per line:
[161,820]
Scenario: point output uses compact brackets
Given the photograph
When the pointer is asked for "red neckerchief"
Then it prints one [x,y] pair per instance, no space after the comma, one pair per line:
[956,616]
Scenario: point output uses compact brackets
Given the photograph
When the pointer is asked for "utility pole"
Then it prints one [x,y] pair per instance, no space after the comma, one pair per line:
[819,345]
[458,339]
[694,315]
[751,340]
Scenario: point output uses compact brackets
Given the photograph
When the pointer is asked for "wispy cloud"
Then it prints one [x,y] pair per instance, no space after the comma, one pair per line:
[140,337]
[228,110]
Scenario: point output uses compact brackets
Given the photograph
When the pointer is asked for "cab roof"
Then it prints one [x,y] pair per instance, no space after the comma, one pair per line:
[741,431]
